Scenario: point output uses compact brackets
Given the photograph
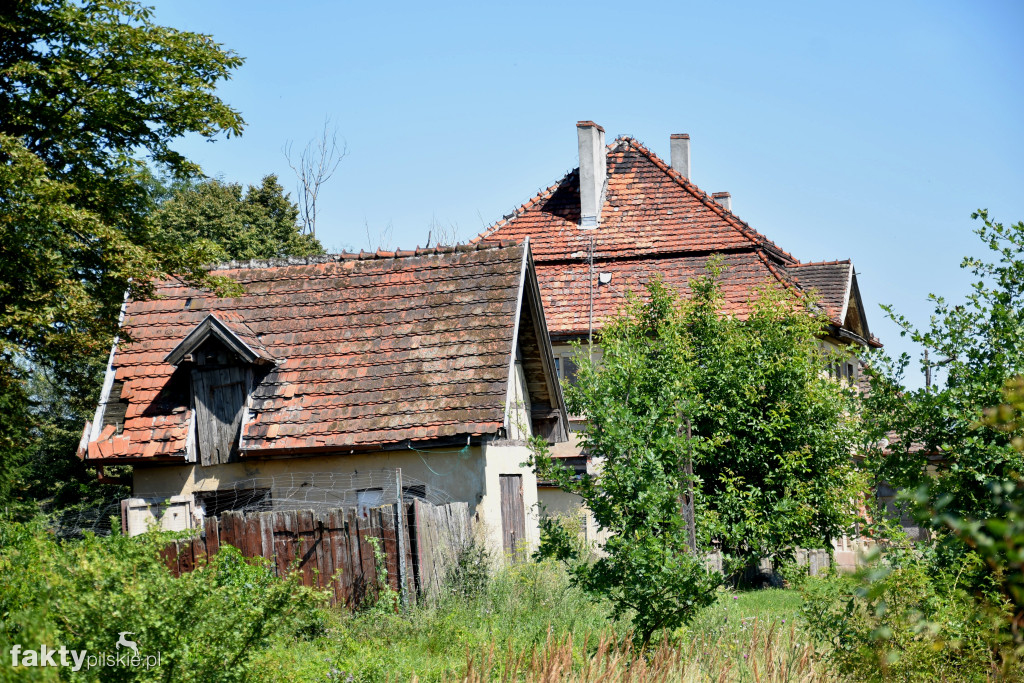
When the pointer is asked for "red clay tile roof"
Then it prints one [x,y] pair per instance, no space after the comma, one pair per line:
[566,289]
[831,280]
[368,349]
[653,220]
[649,209]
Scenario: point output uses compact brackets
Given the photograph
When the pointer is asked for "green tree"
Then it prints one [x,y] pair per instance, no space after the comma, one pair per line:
[91,96]
[773,434]
[631,401]
[980,345]
[771,443]
[259,223]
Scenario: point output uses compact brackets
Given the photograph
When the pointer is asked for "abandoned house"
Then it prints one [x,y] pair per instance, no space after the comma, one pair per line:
[624,215]
[432,362]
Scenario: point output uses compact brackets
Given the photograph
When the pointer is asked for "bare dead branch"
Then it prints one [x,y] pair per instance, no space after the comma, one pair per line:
[314,167]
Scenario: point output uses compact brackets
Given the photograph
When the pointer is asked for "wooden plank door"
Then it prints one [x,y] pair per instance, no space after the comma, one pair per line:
[513,515]
[220,395]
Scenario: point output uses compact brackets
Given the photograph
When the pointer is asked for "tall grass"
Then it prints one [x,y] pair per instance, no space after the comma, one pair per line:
[529,623]
[764,654]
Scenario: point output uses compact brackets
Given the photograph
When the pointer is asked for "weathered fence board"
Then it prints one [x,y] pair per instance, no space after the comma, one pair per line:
[332,549]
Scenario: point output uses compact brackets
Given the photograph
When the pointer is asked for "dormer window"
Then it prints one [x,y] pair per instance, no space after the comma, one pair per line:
[221,359]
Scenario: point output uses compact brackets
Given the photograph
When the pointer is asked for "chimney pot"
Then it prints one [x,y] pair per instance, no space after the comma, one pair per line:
[593,172]
[680,144]
[723,198]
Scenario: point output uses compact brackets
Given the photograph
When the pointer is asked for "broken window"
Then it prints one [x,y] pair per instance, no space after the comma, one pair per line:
[368,498]
[415,491]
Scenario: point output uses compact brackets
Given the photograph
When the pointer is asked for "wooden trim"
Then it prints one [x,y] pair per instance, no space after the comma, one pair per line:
[212,326]
[515,329]
[108,380]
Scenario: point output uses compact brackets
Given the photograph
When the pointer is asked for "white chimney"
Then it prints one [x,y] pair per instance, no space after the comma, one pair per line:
[723,198]
[593,171]
[680,144]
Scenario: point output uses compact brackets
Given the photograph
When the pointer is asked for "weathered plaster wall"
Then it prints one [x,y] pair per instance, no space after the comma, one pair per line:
[471,477]
[507,458]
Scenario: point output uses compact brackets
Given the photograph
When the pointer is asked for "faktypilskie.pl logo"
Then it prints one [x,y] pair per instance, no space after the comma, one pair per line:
[126,654]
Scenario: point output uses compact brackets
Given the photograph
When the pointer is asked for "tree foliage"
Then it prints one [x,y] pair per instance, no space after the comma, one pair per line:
[980,344]
[631,401]
[259,223]
[771,443]
[773,434]
[208,625]
[92,97]
[89,95]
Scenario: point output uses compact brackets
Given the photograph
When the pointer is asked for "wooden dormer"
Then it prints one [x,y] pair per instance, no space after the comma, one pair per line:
[222,360]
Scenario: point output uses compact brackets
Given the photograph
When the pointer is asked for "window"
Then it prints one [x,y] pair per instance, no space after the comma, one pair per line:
[415,491]
[224,500]
[566,368]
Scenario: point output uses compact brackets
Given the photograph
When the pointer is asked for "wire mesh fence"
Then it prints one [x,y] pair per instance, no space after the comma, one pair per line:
[352,534]
[186,508]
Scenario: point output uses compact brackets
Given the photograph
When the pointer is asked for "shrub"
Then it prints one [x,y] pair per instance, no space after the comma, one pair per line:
[905,616]
[206,625]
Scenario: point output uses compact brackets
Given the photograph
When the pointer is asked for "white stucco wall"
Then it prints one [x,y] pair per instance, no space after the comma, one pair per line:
[507,458]
[471,477]
[518,420]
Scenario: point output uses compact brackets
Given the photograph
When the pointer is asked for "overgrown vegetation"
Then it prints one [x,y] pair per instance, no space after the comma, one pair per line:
[92,98]
[909,615]
[951,608]
[207,625]
[530,623]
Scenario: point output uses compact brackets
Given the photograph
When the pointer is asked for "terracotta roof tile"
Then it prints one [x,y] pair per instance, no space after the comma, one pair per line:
[653,220]
[374,349]
[831,281]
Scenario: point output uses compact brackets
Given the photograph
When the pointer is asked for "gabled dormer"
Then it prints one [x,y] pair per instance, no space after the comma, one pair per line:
[224,361]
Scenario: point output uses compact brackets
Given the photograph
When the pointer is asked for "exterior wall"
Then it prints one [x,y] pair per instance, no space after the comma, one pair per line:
[471,478]
[556,502]
[460,476]
[506,457]
[518,420]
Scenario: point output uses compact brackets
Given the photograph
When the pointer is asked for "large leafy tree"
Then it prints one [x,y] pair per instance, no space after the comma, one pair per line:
[632,400]
[771,443]
[774,435]
[92,96]
[258,223]
[935,437]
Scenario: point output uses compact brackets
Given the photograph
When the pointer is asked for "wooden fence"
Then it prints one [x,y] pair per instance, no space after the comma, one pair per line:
[332,548]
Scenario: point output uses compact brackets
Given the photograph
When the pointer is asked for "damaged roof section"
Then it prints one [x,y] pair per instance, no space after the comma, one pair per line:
[654,221]
[835,284]
[349,352]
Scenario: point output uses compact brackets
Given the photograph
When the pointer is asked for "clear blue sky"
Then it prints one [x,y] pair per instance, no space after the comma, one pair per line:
[867,130]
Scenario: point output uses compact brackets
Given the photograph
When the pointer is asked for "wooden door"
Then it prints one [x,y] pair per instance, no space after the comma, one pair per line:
[513,515]
[220,395]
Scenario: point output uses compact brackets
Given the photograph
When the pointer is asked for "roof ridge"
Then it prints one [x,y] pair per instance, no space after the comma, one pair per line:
[541,194]
[379,254]
[820,263]
[735,221]
[792,284]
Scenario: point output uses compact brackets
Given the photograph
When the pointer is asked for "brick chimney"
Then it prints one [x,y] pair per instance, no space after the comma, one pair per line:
[723,198]
[680,144]
[593,172]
